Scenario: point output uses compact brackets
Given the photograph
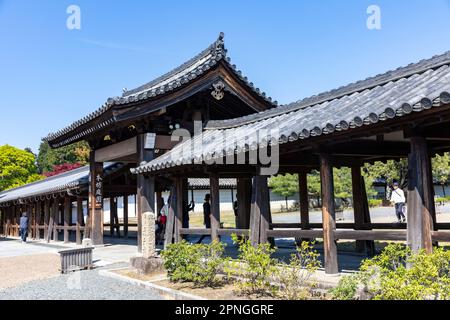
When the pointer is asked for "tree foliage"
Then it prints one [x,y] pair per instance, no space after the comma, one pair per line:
[48,158]
[17,167]
[441,169]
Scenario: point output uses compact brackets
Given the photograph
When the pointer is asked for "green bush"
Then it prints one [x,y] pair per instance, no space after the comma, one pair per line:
[256,269]
[375,203]
[197,263]
[295,278]
[346,288]
[399,274]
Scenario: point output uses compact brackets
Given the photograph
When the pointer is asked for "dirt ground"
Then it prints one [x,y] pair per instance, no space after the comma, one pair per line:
[19,270]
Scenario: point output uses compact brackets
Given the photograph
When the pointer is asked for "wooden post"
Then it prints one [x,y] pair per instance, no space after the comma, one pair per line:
[255,214]
[361,210]
[264,205]
[80,219]
[88,223]
[178,208]
[145,185]
[420,221]
[244,197]
[125,216]
[328,214]
[96,200]
[215,206]
[38,219]
[304,199]
[112,205]
[46,220]
[67,220]
[53,221]
[171,217]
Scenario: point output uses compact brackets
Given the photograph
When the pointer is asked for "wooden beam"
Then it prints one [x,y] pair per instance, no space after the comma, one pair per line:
[215,206]
[328,215]
[420,222]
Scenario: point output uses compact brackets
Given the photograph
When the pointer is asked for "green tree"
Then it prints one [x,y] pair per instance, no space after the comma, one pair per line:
[48,158]
[284,185]
[17,167]
[441,169]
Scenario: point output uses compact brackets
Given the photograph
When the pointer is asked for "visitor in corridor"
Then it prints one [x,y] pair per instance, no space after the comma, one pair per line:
[24,227]
[186,209]
[206,215]
[398,198]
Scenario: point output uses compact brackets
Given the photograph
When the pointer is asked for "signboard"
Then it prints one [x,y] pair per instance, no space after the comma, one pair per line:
[150,139]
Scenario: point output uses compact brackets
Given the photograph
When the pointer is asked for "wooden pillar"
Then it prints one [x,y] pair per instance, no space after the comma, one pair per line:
[88,223]
[67,221]
[39,217]
[304,199]
[328,214]
[54,220]
[80,220]
[46,218]
[215,206]
[96,200]
[177,201]
[260,211]
[125,216]
[420,221]
[169,235]
[244,197]
[185,202]
[145,185]
[361,210]
[112,204]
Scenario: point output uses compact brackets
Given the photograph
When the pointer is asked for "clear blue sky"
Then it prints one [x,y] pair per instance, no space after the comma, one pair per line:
[51,76]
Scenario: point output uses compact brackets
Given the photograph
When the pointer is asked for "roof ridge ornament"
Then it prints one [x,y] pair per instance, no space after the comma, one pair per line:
[218,93]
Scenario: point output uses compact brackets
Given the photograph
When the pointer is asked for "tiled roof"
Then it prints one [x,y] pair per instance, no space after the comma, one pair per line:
[70,180]
[171,81]
[415,88]
[203,183]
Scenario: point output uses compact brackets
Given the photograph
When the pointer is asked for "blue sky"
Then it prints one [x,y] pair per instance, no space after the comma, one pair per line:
[51,76]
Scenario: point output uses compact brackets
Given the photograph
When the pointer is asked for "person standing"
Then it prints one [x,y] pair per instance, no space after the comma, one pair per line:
[236,211]
[24,227]
[206,215]
[398,198]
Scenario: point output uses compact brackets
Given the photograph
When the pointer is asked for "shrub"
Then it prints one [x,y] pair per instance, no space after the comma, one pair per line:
[256,268]
[399,274]
[346,288]
[197,263]
[294,278]
[375,203]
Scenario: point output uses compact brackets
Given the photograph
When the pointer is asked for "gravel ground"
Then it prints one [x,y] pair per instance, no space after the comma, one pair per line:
[19,270]
[84,285]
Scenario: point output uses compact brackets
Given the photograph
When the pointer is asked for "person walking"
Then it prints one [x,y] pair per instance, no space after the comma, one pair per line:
[24,227]
[206,215]
[398,198]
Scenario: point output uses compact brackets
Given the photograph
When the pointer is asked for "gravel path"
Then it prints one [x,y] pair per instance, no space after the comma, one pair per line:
[84,285]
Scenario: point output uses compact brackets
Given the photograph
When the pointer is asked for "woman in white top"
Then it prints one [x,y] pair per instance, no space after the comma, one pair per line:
[398,198]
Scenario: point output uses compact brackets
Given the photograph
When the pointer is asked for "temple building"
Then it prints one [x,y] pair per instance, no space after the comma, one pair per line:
[205,120]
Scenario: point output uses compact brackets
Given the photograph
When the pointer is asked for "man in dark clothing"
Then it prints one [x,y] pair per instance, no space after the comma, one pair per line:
[206,215]
[24,227]
[186,209]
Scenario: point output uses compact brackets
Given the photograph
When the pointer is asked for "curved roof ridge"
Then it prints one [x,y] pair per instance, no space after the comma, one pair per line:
[216,48]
